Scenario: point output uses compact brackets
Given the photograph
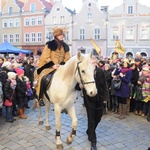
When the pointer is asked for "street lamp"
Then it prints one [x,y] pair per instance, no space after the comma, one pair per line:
[49,36]
[72,12]
[105,10]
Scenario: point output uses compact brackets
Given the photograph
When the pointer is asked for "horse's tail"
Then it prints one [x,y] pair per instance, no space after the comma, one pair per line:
[36,104]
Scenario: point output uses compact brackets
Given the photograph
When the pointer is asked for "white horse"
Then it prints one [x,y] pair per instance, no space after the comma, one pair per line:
[62,94]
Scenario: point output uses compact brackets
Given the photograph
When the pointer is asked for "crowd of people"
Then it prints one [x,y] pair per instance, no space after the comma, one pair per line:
[16,78]
[127,81]
[133,94]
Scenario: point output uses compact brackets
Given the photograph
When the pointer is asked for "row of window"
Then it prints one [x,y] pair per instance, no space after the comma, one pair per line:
[130,32]
[12,38]
[33,37]
[28,37]
[11,23]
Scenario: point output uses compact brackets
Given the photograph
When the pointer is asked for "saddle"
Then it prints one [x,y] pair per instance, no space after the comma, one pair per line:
[45,84]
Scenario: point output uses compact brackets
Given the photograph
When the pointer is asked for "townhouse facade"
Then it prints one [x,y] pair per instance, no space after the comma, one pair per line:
[11,27]
[29,24]
[130,24]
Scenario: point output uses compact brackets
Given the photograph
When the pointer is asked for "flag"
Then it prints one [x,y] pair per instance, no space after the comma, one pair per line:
[98,49]
[118,48]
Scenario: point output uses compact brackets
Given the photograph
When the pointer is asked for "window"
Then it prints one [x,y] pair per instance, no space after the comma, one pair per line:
[5,38]
[39,20]
[144,33]
[32,7]
[17,37]
[10,10]
[130,9]
[39,37]
[5,23]
[97,34]
[33,37]
[27,37]
[66,35]
[62,19]
[17,22]
[82,34]
[27,21]
[115,34]
[89,17]
[33,21]
[58,9]
[129,33]
[54,21]
[10,23]
[11,38]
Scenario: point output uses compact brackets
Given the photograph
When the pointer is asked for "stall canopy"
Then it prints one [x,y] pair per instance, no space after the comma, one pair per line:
[8,48]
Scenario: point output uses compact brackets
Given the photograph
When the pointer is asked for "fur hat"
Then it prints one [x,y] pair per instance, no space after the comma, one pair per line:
[58,31]
[19,71]
[6,64]
[11,75]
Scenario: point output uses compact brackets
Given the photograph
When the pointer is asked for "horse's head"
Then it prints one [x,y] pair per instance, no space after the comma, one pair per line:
[85,73]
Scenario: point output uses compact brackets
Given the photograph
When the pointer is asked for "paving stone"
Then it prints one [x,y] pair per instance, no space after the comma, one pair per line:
[131,133]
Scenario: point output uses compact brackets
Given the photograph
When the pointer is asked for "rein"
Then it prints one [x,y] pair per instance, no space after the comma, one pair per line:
[82,81]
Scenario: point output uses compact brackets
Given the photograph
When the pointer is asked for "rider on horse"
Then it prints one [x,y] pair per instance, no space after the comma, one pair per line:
[55,53]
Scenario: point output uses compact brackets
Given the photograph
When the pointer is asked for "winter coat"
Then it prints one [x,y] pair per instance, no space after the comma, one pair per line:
[29,72]
[102,93]
[138,93]
[126,79]
[21,88]
[135,76]
[108,77]
[8,91]
[51,55]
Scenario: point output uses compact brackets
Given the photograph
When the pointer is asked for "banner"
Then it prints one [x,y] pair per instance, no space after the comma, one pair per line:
[118,48]
[98,49]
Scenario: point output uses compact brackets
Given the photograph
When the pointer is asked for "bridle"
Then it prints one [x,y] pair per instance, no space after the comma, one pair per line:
[82,81]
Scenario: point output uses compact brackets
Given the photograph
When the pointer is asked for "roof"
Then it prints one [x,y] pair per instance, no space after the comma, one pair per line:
[47,5]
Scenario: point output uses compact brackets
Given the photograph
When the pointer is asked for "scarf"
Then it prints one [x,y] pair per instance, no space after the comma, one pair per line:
[59,43]
[125,70]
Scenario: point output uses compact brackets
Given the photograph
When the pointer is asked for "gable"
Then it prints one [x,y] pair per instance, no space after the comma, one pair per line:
[38,4]
[8,4]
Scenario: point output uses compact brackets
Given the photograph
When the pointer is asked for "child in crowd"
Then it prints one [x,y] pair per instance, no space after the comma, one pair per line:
[9,92]
[29,90]
[21,93]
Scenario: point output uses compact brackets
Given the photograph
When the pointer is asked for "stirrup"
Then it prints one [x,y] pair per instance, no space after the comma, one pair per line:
[41,102]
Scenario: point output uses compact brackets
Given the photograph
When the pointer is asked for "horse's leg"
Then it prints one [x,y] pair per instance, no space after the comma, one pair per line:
[40,114]
[47,116]
[71,112]
[57,110]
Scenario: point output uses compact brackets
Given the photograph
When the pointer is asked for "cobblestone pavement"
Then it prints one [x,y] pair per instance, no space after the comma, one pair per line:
[132,133]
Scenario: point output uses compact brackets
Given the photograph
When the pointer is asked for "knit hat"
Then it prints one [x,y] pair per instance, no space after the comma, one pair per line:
[146,68]
[11,75]
[6,64]
[19,71]
[58,31]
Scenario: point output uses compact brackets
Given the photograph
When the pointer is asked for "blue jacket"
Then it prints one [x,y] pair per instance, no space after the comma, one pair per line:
[124,89]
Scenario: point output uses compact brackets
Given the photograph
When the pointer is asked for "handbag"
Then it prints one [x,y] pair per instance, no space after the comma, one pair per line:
[117,83]
[8,102]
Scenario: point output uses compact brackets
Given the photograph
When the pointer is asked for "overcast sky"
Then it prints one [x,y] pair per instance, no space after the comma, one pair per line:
[77,4]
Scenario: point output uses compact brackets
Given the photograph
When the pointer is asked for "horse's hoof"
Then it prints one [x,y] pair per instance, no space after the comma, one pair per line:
[68,142]
[60,147]
[41,122]
[48,127]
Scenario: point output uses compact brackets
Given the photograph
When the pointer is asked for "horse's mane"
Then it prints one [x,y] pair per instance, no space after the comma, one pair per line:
[66,70]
